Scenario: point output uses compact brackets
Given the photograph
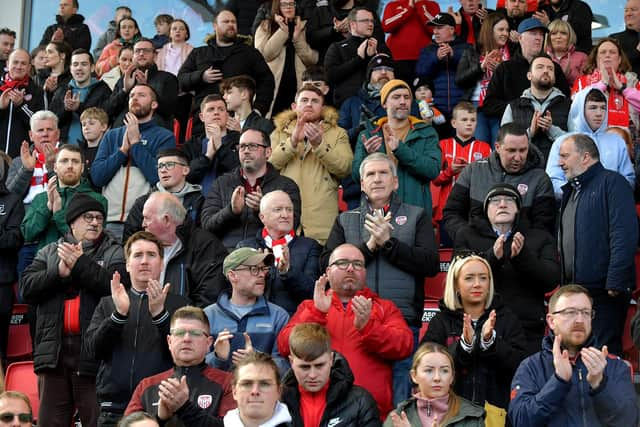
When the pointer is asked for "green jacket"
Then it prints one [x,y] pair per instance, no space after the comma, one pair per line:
[418,157]
[40,225]
[469,415]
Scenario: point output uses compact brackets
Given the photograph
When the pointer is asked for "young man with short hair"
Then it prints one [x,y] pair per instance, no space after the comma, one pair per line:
[238,92]
[94,122]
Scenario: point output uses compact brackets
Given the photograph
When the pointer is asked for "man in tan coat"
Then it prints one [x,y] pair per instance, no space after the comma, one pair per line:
[309,147]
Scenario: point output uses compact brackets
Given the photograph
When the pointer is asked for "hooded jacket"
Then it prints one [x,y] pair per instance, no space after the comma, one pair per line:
[234,60]
[520,111]
[346,404]
[280,418]
[540,398]
[408,27]
[316,170]
[76,32]
[481,375]
[418,156]
[613,151]
[466,199]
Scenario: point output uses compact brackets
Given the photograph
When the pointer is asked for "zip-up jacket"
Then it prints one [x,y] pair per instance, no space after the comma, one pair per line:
[408,27]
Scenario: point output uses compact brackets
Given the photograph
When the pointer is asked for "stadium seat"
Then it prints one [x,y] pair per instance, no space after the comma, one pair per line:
[629,351]
[20,377]
[434,286]
[19,346]
[430,310]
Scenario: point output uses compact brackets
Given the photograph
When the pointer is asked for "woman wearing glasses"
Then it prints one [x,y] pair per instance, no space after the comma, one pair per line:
[282,41]
[482,334]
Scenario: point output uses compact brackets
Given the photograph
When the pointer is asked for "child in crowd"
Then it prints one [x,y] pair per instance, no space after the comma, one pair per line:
[95,123]
[457,152]
[424,98]
[163,26]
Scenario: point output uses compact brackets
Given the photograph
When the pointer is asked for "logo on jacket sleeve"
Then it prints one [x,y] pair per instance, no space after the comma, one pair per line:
[334,422]
[205,400]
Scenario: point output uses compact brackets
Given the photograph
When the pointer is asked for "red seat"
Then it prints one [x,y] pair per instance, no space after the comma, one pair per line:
[429,312]
[629,351]
[19,346]
[20,377]
[434,286]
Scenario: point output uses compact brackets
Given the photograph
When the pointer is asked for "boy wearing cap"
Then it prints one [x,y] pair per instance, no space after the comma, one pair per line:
[410,143]
[65,283]
[242,320]
[524,260]
[438,63]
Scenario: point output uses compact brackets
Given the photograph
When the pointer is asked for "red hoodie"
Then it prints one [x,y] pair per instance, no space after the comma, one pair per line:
[407,27]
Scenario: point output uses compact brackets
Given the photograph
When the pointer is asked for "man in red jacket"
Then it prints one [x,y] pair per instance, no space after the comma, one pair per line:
[367,330]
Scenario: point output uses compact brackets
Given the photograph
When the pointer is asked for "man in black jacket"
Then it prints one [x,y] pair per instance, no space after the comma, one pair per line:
[64,283]
[630,37]
[127,334]
[319,373]
[226,55]
[231,208]
[69,27]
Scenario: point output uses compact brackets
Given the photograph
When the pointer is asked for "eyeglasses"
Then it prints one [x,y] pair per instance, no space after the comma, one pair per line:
[7,417]
[500,199]
[343,264]
[89,218]
[572,313]
[255,270]
[169,165]
[248,385]
[193,333]
[142,50]
[251,146]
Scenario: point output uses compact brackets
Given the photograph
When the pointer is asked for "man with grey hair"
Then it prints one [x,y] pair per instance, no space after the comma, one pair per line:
[295,268]
[398,245]
[598,211]
[192,256]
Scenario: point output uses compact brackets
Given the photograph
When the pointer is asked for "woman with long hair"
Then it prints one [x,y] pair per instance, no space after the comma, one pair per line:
[282,41]
[56,72]
[560,45]
[484,337]
[125,58]
[435,403]
[477,66]
[127,33]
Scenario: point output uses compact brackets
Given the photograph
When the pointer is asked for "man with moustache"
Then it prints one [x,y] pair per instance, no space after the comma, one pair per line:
[64,284]
[573,380]
[542,108]
[143,70]
[125,165]
[44,220]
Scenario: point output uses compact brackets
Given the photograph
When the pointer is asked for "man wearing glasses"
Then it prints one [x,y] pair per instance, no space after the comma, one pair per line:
[367,330]
[231,208]
[64,285]
[572,381]
[243,321]
[14,404]
[190,388]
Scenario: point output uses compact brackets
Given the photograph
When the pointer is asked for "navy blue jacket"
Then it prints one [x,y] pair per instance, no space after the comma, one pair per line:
[540,398]
[605,221]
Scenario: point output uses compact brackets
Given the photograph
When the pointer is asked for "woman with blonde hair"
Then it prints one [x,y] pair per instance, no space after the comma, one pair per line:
[560,45]
[483,336]
[435,403]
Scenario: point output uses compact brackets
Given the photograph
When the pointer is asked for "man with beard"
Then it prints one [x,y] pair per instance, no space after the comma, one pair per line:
[367,330]
[44,219]
[509,79]
[346,61]
[224,56]
[64,285]
[125,165]
[411,144]
[7,42]
[573,380]
[143,70]
[542,108]
[231,208]
[309,147]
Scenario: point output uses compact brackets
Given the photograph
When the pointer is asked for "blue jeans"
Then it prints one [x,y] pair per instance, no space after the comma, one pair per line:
[487,129]
[402,384]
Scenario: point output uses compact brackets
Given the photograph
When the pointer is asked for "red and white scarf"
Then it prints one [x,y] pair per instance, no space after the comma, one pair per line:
[276,245]
[38,179]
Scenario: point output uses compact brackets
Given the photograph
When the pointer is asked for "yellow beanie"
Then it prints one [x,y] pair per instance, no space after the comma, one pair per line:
[390,86]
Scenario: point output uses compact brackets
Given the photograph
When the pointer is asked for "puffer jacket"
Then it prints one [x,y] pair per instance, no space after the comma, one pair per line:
[419,159]
[482,375]
[316,170]
[42,287]
[346,403]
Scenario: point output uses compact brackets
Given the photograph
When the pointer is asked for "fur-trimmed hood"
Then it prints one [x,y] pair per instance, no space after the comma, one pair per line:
[286,120]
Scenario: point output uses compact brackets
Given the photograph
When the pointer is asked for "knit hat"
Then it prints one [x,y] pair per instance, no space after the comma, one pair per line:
[81,203]
[379,61]
[390,86]
[502,190]
[246,256]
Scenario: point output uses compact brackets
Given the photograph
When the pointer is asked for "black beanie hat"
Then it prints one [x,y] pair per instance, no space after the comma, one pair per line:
[81,203]
[503,190]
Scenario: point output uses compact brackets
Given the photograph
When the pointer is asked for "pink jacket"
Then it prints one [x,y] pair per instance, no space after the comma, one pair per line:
[572,63]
